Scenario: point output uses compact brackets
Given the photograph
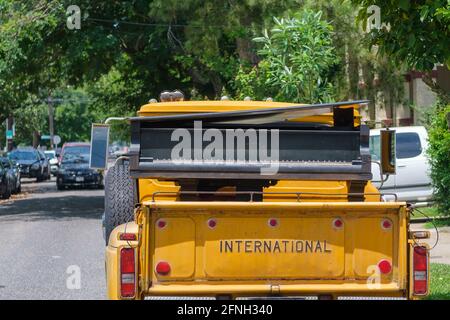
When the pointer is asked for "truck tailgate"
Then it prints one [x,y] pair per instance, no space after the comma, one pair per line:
[285,241]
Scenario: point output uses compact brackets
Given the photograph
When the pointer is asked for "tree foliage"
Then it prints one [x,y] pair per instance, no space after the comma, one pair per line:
[297,57]
[415,33]
[439,154]
[156,45]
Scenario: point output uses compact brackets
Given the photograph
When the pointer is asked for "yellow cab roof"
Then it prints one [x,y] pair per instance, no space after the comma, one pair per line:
[204,106]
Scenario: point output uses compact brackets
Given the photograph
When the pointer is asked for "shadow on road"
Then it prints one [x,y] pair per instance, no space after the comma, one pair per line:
[54,208]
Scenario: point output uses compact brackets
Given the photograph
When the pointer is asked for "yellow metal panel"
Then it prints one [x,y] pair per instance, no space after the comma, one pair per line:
[149,186]
[175,243]
[243,247]
[198,206]
[183,107]
[284,288]
[371,244]
[208,106]
[361,242]
[112,273]
[337,189]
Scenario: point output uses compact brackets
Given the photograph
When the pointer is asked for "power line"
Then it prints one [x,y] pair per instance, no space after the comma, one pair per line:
[117,23]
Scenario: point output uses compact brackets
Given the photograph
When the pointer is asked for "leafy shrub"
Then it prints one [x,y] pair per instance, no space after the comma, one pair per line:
[297,56]
[439,155]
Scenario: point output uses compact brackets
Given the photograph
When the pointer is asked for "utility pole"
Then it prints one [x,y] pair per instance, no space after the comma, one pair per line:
[36,138]
[50,120]
[9,133]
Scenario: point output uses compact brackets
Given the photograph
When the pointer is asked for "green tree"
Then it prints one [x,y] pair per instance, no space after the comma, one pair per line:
[297,57]
[439,153]
[157,44]
[415,33]
[361,73]
[33,117]
[73,115]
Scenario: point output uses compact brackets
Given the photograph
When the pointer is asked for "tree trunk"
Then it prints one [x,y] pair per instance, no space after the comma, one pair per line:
[245,51]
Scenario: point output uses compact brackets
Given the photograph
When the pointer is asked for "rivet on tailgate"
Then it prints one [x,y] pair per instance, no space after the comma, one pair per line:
[212,223]
[386,224]
[338,223]
[273,222]
[161,223]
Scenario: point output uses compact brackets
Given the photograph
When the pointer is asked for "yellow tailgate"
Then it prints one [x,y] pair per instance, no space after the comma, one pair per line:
[232,241]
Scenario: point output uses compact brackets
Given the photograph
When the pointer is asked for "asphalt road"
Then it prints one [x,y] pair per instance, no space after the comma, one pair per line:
[51,244]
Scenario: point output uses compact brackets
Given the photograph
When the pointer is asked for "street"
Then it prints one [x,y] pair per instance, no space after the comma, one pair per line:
[52,245]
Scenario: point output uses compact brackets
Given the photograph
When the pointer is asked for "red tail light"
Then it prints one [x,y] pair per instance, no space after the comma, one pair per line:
[420,270]
[127,236]
[127,273]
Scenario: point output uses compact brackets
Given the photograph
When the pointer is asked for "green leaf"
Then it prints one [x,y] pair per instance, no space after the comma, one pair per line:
[403,4]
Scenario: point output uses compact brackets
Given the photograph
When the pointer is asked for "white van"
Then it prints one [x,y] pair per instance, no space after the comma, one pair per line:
[412,182]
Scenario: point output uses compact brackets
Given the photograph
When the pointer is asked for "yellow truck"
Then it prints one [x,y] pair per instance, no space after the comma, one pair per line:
[230,199]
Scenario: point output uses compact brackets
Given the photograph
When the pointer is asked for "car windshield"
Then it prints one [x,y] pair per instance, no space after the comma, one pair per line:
[75,158]
[50,155]
[22,155]
[77,150]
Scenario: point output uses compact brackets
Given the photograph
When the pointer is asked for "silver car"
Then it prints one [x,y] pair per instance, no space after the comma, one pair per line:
[411,182]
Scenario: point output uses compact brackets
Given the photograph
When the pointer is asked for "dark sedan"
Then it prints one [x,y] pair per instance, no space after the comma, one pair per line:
[74,171]
[30,162]
[7,181]
[14,171]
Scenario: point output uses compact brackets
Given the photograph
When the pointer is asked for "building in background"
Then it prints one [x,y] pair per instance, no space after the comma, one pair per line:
[418,96]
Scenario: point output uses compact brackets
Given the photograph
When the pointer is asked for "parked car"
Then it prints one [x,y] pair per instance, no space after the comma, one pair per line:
[75,147]
[45,164]
[52,157]
[7,182]
[31,163]
[412,181]
[74,170]
[14,169]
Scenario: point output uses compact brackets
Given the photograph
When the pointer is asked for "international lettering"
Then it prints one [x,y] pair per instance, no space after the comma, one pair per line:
[274,246]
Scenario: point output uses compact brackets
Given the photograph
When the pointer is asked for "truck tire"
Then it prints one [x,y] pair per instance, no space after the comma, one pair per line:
[119,197]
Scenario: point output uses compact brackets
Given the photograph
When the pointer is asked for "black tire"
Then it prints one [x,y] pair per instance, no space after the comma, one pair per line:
[7,192]
[119,197]
[40,178]
[60,186]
